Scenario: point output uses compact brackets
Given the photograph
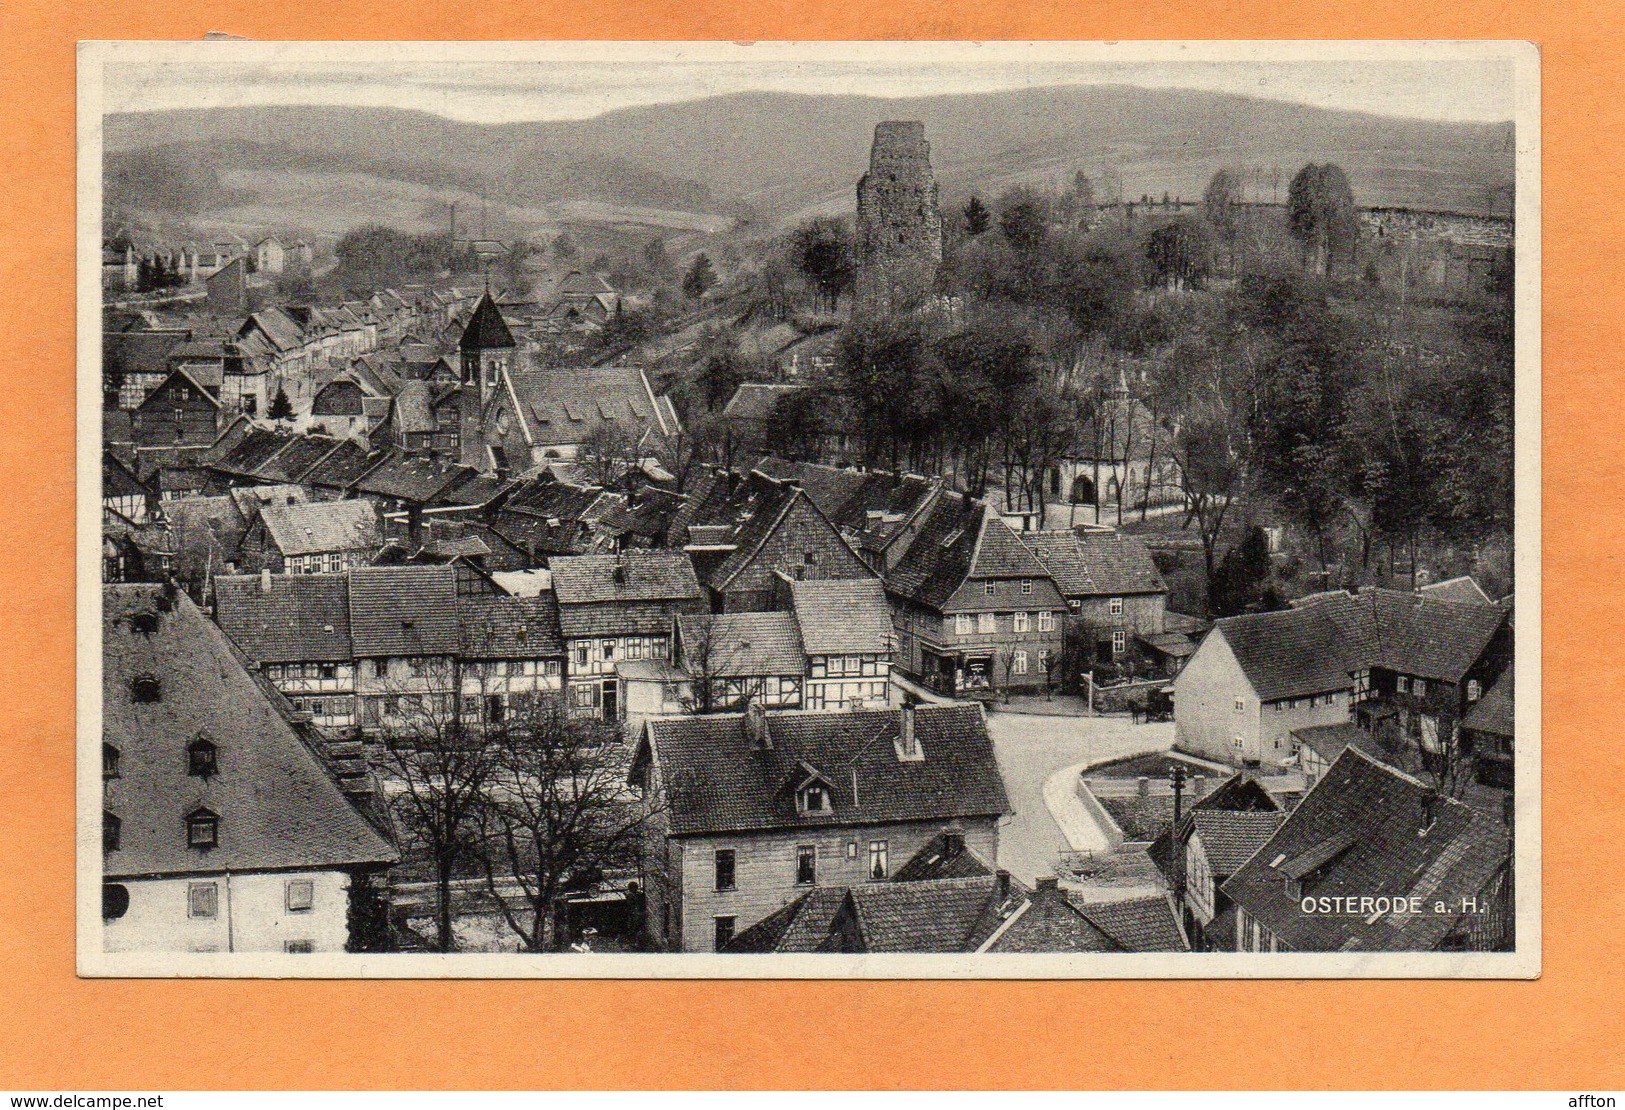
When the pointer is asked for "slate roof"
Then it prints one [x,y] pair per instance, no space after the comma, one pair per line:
[319,527]
[618,618]
[843,616]
[1359,833]
[408,610]
[645,576]
[279,807]
[303,618]
[1493,712]
[494,626]
[1230,837]
[746,645]
[141,352]
[718,782]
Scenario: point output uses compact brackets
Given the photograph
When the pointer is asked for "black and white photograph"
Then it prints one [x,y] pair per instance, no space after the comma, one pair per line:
[809,510]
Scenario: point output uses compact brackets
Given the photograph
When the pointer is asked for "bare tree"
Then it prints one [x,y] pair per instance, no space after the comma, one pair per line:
[608,452]
[436,774]
[558,813]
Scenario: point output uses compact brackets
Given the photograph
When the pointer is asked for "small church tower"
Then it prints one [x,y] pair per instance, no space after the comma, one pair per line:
[487,348]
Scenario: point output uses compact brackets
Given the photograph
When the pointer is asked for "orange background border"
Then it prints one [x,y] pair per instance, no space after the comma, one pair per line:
[1563,1031]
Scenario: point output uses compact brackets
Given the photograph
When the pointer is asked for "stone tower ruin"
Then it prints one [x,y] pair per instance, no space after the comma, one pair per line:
[899,241]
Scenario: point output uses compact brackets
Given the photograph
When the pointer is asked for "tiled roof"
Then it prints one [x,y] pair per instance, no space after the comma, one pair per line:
[757,400]
[405,477]
[1120,564]
[804,925]
[843,615]
[944,856]
[141,352]
[725,645]
[718,782]
[1291,653]
[564,406]
[938,915]
[342,466]
[629,576]
[1001,554]
[494,626]
[319,527]
[620,618]
[1048,922]
[278,807]
[409,610]
[1492,712]
[1362,832]
[1136,924]
[302,618]
[936,562]
[1230,837]
[252,451]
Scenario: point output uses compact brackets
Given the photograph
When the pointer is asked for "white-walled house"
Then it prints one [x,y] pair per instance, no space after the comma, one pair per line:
[223,829]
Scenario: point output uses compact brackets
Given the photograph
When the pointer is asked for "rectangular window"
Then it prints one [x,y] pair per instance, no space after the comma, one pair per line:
[1119,642]
[878,865]
[962,624]
[986,623]
[1115,606]
[608,647]
[806,865]
[725,868]
[1402,684]
[298,947]
[1046,622]
[1022,621]
[1026,585]
[987,588]
[301,895]
[725,931]
[1280,707]
[202,900]
[581,655]
[1472,689]
[1241,705]
[380,668]
[1018,664]
[1043,660]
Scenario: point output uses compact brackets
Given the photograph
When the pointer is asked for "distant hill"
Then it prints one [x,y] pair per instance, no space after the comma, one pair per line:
[782,155]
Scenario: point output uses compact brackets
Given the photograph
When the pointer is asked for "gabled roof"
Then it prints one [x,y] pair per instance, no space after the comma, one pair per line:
[944,856]
[1230,837]
[342,466]
[936,562]
[1135,924]
[1408,632]
[745,645]
[256,448]
[1493,712]
[1464,590]
[301,618]
[1328,741]
[1096,563]
[320,527]
[1291,653]
[629,576]
[843,616]
[277,804]
[999,553]
[298,458]
[407,610]
[565,406]
[804,925]
[717,781]
[937,915]
[757,400]
[486,330]
[406,477]
[1363,831]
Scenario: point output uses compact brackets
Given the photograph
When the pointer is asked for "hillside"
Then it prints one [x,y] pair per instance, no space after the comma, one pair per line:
[781,155]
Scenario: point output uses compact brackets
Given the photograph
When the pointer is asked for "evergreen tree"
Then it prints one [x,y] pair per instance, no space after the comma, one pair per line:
[976,217]
[281,408]
[699,278]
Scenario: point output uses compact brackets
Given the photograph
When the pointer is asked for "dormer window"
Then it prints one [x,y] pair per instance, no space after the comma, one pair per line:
[813,798]
[202,829]
[202,758]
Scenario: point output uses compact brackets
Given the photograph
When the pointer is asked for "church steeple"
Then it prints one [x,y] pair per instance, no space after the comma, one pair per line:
[487,346]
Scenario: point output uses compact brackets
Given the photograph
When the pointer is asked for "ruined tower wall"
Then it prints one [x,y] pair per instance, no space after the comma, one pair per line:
[899,240]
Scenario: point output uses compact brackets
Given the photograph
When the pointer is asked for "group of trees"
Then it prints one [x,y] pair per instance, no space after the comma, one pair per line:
[528,806]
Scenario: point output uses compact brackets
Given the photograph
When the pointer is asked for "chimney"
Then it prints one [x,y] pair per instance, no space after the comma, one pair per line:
[754,722]
[1001,884]
[1430,812]
[1046,882]
[619,574]
[265,580]
[908,744]
[953,841]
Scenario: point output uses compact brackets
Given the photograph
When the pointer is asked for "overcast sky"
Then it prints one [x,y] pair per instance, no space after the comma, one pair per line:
[506,82]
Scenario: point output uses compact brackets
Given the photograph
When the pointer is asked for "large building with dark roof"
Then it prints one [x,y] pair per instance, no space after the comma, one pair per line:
[761,807]
[1375,860]
[1403,666]
[224,829]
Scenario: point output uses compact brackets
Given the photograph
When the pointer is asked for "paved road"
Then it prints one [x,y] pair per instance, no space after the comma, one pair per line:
[1031,750]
